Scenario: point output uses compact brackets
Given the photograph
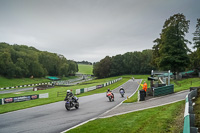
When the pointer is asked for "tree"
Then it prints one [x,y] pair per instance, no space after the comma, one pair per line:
[195,56]
[172,45]
[117,66]
[196,34]
[102,68]
[23,61]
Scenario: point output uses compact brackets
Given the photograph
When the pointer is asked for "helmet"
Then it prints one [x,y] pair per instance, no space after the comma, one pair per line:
[68,91]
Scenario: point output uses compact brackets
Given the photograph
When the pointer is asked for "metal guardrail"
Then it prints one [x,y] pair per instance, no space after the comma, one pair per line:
[189,116]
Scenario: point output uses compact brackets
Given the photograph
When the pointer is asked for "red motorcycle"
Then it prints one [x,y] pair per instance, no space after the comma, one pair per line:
[110,96]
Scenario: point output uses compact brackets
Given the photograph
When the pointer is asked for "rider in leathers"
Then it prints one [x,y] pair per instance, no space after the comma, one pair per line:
[70,95]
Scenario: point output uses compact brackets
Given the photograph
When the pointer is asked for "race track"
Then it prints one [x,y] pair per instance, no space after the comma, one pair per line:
[54,118]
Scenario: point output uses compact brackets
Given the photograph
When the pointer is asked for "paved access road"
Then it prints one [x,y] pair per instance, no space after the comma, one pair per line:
[54,118]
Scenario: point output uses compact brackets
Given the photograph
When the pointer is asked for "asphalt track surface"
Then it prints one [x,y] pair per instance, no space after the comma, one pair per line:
[54,118]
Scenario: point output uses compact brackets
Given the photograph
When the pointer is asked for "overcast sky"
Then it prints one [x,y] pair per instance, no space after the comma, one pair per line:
[90,29]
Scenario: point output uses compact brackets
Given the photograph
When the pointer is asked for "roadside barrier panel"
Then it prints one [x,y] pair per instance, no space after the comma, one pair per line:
[104,84]
[78,91]
[85,89]
[0,101]
[45,95]
[189,117]
[82,90]
[164,90]
[19,99]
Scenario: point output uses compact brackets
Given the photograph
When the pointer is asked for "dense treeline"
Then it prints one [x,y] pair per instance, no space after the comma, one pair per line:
[23,61]
[128,63]
[170,52]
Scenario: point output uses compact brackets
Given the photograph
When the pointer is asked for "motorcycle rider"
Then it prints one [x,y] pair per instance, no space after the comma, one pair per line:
[110,92]
[70,95]
[121,89]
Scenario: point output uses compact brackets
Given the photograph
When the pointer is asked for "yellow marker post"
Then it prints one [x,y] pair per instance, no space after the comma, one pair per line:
[140,84]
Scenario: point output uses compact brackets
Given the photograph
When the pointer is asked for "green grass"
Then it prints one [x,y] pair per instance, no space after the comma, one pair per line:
[85,69]
[53,93]
[168,118]
[185,84]
[5,82]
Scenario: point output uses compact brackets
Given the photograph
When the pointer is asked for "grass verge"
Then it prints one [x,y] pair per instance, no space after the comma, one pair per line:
[168,118]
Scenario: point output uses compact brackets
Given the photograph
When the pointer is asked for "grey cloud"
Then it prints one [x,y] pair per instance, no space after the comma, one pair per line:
[89,29]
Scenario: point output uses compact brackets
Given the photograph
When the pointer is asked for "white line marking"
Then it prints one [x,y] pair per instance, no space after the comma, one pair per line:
[121,102]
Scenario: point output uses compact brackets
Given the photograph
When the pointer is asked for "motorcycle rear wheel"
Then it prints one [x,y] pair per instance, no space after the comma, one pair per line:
[110,99]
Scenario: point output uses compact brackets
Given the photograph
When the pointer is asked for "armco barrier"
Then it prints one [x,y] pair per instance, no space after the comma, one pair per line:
[189,117]
[164,90]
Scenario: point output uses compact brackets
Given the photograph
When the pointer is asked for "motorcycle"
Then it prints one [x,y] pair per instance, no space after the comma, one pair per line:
[110,96]
[122,93]
[72,102]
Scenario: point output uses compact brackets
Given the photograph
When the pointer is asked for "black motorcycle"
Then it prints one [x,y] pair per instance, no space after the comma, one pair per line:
[122,93]
[72,102]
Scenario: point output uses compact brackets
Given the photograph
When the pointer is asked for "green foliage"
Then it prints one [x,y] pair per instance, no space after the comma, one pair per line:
[102,69]
[196,34]
[156,120]
[170,52]
[17,61]
[195,56]
[85,69]
[129,63]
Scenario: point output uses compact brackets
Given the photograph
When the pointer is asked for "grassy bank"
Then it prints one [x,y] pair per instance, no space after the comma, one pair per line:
[85,69]
[168,118]
[53,93]
[185,84]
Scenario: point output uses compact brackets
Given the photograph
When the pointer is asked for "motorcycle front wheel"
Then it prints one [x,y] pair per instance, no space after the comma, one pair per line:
[77,105]
[67,107]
